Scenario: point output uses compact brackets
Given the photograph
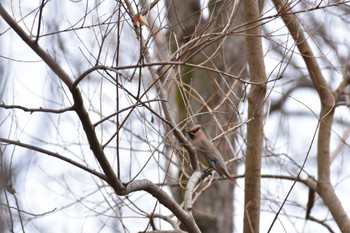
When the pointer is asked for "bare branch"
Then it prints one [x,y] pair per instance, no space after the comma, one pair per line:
[340,145]
[164,199]
[323,223]
[165,105]
[54,154]
[125,109]
[190,188]
[325,189]
[168,219]
[31,214]
[40,109]
[95,146]
[78,101]
[149,7]
[39,20]
[306,52]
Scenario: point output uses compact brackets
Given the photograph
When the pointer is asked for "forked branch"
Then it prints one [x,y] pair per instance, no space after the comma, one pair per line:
[327,98]
[78,106]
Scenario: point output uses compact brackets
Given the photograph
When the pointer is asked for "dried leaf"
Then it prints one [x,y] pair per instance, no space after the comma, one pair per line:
[139,19]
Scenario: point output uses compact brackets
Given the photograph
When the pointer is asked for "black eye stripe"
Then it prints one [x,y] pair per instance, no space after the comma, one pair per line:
[195,130]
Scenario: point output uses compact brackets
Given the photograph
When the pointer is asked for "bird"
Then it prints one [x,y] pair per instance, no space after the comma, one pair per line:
[206,149]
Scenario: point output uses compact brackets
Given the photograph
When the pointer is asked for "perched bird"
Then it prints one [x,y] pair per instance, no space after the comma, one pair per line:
[207,150]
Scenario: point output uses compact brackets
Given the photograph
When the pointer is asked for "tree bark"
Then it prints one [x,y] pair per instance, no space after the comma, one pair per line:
[328,100]
[212,98]
[255,134]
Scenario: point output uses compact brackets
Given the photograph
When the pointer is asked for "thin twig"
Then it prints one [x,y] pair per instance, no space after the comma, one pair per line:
[40,109]
[39,21]
[54,154]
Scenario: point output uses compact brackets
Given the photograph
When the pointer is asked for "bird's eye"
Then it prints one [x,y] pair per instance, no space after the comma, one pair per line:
[191,134]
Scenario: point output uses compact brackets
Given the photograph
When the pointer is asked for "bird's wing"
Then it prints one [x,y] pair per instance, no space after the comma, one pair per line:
[202,147]
[209,156]
[214,158]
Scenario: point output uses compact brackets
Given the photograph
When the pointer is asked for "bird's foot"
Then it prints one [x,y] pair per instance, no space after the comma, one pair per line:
[206,172]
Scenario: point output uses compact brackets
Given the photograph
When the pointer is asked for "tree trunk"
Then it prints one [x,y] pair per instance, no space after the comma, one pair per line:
[255,135]
[214,95]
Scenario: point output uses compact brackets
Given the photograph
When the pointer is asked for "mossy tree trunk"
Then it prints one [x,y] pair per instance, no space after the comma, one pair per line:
[207,97]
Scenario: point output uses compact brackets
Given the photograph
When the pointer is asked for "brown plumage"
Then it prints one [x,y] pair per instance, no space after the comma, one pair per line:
[208,151]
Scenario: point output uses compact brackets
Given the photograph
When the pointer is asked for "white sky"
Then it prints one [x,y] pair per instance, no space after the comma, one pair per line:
[45,183]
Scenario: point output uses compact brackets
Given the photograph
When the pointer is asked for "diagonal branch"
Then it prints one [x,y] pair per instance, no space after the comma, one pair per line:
[79,108]
[163,198]
[54,154]
[327,98]
[111,178]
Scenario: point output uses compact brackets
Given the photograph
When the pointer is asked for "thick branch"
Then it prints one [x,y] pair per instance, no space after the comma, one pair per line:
[164,199]
[315,73]
[191,185]
[78,100]
[325,189]
[95,146]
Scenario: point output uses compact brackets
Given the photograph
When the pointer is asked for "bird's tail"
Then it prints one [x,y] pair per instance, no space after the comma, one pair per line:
[225,173]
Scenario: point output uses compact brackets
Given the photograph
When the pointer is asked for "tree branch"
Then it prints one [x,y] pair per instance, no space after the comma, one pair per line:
[327,98]
[156,75]
[40,109]
[164,199]
[95,146]
[78,100]
[191,185]
[56,155]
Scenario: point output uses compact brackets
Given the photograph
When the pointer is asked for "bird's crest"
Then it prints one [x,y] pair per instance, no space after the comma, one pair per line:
[193,131]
